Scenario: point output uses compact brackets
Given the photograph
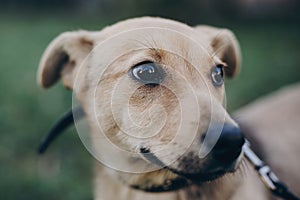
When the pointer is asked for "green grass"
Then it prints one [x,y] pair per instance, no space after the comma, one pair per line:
[26,112]
[270,60]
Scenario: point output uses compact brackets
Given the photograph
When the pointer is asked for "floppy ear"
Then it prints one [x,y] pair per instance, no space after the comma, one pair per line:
[225,46]
[63,57]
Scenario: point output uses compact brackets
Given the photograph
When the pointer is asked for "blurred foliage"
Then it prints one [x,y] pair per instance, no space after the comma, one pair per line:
[192,11]
[270,60]
[26,112]
[270,55]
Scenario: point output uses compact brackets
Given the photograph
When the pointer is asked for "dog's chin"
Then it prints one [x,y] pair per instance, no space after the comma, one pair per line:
[210,174]
[167,186]
[183,179]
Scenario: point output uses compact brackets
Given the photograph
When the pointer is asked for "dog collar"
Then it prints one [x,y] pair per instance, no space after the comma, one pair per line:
[267,176]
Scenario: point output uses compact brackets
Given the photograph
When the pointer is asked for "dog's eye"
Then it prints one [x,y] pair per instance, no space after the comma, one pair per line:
[217,75]
[148,73]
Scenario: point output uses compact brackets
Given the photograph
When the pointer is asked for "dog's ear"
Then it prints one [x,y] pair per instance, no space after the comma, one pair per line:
[63,57]
[225,46]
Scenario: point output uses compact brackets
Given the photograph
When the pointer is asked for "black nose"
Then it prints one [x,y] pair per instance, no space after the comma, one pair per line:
[231,137]
[229,144]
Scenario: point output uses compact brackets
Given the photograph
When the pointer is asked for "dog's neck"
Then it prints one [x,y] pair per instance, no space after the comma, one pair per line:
[108,187]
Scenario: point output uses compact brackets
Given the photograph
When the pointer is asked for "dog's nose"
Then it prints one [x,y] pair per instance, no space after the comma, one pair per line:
[231,137]
[229,144]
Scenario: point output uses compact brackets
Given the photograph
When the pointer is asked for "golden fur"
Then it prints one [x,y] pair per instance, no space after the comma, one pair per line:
[76,58]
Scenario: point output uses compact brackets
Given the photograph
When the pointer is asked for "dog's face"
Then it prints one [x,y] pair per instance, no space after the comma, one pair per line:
[154,88]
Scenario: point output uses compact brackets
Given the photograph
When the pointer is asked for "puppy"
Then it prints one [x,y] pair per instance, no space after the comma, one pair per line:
[152,90]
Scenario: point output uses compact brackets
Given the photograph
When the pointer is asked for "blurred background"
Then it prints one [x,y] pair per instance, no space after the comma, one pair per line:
[268,32]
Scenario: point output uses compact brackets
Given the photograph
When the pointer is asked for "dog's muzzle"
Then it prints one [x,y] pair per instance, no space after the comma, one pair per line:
[222,159]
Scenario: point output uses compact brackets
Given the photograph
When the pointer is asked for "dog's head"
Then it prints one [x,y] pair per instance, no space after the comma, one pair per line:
[153,88]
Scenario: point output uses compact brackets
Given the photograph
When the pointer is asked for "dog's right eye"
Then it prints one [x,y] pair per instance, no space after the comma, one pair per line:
[148,73]
[217,75]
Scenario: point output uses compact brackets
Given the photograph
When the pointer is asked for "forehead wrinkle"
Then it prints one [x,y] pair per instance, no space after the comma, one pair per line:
[151,48]
[146,41]
[195,66]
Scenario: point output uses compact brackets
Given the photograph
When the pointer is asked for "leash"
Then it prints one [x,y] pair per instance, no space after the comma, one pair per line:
[268,177]
[59,126]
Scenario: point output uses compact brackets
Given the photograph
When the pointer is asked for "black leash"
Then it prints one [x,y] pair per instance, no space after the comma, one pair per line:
[268,177]
[270,180]
[283,192]
[59,126]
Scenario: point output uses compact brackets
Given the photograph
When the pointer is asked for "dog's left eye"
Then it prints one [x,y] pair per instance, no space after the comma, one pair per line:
[217,75]
[148,73]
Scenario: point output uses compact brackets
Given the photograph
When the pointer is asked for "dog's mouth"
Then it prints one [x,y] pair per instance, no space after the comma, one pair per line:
[181,181]
[207,175]
[184,178]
